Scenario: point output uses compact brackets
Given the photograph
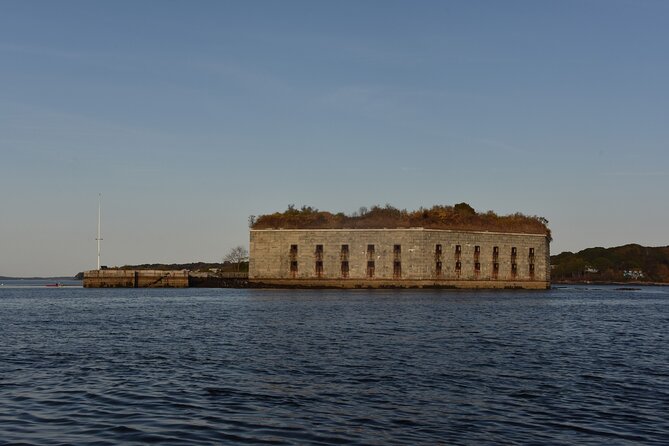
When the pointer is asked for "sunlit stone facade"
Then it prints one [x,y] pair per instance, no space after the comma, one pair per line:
[416,257]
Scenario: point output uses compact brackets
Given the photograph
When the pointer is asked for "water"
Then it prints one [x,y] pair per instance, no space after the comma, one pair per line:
[210,366]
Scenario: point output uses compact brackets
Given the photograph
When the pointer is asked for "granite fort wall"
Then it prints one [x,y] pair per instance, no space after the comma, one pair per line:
[398,257]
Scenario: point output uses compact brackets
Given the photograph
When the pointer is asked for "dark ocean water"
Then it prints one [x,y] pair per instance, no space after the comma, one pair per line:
[211,366]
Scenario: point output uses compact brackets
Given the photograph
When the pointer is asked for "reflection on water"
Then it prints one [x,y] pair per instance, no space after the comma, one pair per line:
[566,366]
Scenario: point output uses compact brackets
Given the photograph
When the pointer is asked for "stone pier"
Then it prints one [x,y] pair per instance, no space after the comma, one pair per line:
[116,278]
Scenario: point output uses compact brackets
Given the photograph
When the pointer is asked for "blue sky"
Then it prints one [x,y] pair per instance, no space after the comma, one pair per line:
[190,116]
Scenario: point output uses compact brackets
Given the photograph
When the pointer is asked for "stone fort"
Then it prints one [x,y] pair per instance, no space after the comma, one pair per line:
[402,258]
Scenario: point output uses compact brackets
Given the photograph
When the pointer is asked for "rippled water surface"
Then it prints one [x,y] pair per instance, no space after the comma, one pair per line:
[209,366]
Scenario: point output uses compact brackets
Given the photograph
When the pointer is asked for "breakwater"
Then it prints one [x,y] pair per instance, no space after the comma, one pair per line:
[115,278]
[219,280]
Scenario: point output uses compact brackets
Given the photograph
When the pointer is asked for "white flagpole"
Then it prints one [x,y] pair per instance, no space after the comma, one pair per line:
[99,238]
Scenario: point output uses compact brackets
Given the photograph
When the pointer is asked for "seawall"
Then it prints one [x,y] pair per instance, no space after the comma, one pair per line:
[116,278]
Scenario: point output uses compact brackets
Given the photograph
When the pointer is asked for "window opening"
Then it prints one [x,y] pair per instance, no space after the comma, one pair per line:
[397,269]
[344,252]
[344,269]
[370,268]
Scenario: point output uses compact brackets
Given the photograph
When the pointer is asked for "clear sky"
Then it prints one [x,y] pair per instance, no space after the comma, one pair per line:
[190,116]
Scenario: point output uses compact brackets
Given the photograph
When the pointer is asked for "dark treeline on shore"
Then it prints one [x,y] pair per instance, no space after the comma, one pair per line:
[628,263]
[203,267]
[195,266]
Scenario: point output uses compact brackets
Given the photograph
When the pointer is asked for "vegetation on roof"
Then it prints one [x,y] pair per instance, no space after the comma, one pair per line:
[459,217]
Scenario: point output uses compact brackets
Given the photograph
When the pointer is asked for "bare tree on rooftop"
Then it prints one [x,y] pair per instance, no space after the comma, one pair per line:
[237,256]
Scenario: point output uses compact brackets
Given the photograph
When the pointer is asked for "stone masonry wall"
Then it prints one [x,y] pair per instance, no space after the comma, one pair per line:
[401,257]
[112,278]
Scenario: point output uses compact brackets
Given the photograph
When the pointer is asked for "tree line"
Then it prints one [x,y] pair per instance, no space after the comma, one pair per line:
[622,263]
[236,260]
